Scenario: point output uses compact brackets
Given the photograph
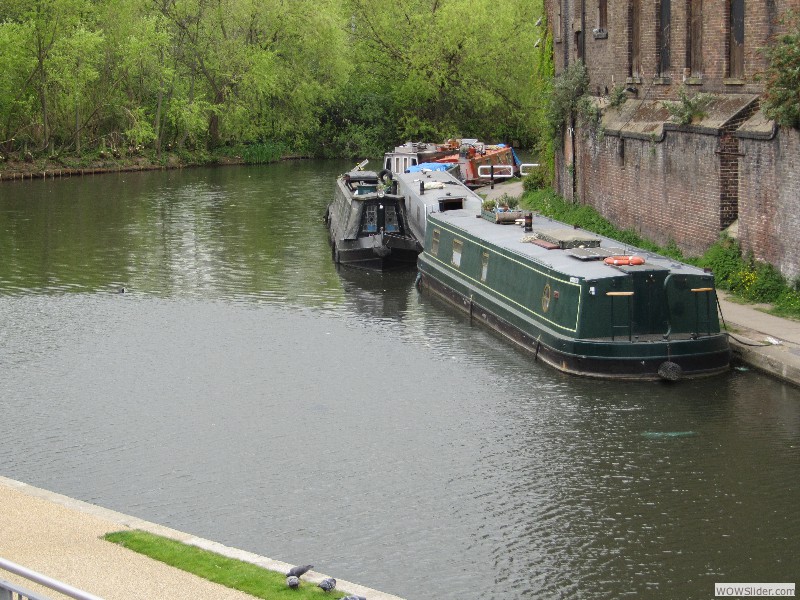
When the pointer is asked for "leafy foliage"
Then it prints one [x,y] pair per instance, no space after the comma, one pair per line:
[782,85]
[334,77]
[688,107]
[569,89]
[618,96]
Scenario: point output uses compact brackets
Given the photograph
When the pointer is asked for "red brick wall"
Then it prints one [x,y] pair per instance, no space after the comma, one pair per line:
[769,200]
[689,186]
[651,188]
[608,58]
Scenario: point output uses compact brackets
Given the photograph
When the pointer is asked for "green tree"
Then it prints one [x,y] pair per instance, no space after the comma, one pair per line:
[782,89]
[451,67]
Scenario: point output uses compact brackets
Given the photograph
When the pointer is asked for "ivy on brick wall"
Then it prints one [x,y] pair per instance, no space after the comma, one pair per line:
[782,78]
[569,88]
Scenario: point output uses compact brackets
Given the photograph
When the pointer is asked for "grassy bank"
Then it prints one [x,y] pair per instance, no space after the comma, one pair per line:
[235,574]
[742,276]
[27,166]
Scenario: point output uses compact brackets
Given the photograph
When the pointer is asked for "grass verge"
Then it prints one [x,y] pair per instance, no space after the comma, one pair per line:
[235,574]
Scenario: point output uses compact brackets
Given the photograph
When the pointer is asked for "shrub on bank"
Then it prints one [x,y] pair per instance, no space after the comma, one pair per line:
[743,276]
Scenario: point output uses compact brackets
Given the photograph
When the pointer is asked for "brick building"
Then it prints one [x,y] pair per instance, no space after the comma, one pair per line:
[681,183]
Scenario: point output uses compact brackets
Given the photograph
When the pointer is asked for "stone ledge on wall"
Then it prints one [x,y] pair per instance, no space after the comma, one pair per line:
[649,119]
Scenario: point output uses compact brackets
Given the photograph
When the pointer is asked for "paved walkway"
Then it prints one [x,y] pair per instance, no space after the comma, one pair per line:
[60,537]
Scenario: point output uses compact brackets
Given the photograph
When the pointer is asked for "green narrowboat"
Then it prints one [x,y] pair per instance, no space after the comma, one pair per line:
[582,303]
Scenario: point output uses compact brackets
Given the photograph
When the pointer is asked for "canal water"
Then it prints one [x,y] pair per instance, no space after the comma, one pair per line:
[245,390]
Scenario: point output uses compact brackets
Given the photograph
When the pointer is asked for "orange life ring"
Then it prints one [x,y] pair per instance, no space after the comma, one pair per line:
[619,261]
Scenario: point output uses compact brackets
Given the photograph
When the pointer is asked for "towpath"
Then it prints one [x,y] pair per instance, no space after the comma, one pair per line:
[61,538]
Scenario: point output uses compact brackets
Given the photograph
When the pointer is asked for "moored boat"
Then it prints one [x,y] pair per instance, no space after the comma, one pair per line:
[582,303]
[367,222]
[474,162]
[429,191]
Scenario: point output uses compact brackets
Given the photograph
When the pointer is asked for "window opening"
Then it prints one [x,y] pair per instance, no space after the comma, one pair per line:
[559,22]
[484,266]
[635,39]
[736,69]
[696,37]
[391,225]
[458,246]
[435,242]
[371,220]
[602,15]
[664,34]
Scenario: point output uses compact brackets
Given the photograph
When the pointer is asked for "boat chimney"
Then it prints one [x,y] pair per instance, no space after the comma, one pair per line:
[528,221]
[421,188]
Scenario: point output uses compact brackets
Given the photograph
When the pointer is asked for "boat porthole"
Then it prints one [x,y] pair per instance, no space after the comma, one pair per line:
[546,297]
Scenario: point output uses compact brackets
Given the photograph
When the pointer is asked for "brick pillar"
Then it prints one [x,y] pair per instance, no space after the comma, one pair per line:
[728,179]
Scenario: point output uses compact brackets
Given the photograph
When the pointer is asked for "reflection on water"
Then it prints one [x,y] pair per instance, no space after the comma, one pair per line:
[247,391]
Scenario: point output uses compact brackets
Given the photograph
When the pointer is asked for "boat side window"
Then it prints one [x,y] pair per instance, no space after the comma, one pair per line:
[484,266]
[435,242]
[458,246]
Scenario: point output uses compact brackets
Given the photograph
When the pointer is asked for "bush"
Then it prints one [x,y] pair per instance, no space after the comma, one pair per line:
[688,108]
[568,89]
[537,179]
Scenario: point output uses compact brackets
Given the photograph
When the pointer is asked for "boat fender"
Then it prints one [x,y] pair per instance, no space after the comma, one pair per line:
[670,371]
[385,175]
[619,261]
[418,280]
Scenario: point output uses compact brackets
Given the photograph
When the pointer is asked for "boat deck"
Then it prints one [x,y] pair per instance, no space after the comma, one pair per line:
[548,244]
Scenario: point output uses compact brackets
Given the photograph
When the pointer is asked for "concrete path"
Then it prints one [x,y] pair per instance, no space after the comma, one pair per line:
[60,537]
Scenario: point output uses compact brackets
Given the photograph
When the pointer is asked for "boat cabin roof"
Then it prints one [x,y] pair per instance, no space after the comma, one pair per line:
[357,176]
[572,251]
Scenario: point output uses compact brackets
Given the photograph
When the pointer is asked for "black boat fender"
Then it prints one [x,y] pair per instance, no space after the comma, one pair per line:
[670,371]
[385,175]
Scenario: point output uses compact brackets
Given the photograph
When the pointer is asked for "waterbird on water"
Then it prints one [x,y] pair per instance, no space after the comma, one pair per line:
[293,582]
[327,584]
[299,571]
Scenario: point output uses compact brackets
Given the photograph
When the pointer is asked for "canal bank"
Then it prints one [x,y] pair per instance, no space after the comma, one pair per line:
[758,340]
[61,537]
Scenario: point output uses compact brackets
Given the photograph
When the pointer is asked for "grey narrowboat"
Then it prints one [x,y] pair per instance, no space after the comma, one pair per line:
[582,303]
[433,191]
[367,222]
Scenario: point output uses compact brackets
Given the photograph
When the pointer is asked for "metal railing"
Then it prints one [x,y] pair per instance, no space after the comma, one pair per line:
[12,591]
[496,171]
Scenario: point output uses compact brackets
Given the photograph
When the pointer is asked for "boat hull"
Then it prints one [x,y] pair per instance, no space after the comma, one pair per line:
[549,288]
[376,253]
[599,358]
